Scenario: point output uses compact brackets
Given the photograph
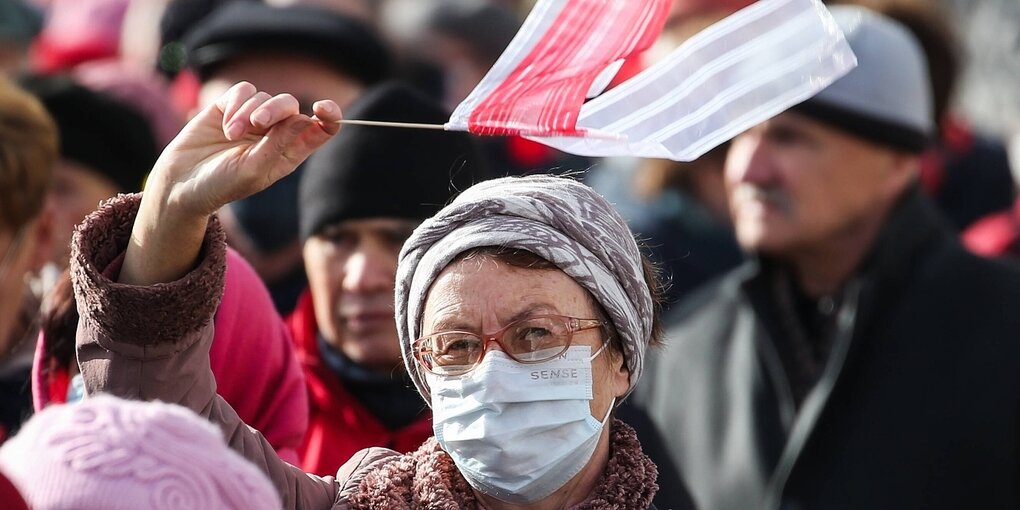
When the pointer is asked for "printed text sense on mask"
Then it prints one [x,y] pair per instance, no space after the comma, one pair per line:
[561,373]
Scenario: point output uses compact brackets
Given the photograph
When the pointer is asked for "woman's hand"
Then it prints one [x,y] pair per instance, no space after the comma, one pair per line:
[239,145]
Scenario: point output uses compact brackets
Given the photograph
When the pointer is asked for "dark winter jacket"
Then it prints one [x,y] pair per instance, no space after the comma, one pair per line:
[916,405]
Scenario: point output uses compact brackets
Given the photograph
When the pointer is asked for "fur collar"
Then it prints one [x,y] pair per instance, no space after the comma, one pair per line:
[428,478]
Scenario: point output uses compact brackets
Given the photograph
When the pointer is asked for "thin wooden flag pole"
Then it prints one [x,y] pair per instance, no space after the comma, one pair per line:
[390,124]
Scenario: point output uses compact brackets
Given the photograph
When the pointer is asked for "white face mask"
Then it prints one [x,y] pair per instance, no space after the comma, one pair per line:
[518,432]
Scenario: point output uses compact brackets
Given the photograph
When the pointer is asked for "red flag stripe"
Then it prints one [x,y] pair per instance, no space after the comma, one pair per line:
[573,28]
[545,90]
[551,53]
[553,117]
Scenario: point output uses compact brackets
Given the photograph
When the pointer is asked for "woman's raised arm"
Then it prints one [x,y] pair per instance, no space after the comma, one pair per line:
[148,271]
[235,147]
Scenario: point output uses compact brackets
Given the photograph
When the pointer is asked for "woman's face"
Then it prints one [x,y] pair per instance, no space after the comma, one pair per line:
[482,295]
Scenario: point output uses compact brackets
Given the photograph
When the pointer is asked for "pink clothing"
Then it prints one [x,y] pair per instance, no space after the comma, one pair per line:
[252,359]
[77,31]
[111,454]
[254,363]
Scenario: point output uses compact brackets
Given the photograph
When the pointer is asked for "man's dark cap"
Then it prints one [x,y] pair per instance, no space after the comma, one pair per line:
[97,130]
[386,172]
[487,28]
[252,28]
[20,21]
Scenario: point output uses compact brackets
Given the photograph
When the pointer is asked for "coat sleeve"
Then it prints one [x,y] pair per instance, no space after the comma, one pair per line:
[254,361]
[152,342]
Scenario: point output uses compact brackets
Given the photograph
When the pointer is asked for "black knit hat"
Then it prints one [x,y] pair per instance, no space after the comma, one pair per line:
[386,172]
[487,28]
[247,28]
[98,131]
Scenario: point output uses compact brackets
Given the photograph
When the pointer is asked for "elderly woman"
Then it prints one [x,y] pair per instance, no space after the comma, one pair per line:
[524,311]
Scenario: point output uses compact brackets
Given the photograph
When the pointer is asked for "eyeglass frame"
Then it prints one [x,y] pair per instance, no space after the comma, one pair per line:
[574,325]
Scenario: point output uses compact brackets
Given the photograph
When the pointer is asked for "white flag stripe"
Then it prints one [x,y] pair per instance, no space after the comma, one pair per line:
[734,29]
[735,74]
[703,107]
[604,78]
[532,31]
[741,63]
[746,110]
[688,69]
[705,143]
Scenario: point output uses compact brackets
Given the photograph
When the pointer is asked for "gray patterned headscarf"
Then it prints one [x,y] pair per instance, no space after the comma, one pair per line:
[556,218]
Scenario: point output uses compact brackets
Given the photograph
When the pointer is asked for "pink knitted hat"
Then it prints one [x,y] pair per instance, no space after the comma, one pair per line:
[111,454]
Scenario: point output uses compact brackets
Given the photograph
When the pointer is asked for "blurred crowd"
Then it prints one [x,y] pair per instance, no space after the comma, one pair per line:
[305,349]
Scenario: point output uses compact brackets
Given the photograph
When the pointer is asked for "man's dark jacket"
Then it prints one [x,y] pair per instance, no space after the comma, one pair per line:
[917,406]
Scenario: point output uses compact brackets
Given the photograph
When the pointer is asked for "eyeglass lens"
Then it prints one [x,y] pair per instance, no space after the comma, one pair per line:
[529,340]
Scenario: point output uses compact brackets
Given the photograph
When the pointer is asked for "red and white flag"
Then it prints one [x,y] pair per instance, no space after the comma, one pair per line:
[736,73]
[561,52]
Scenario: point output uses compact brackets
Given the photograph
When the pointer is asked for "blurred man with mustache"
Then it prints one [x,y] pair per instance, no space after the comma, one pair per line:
[361,196]
[862,358]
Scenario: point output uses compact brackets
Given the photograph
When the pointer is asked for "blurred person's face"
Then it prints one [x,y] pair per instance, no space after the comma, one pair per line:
[307,79]
[351,268]
[796,184]
[21,252]
[77,191]
[13,58]
[483,295]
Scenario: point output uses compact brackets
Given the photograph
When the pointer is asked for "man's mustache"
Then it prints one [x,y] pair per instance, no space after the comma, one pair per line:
[776,197]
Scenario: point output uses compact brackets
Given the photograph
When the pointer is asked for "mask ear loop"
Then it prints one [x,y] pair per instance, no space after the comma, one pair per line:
[609,412]
[612,404]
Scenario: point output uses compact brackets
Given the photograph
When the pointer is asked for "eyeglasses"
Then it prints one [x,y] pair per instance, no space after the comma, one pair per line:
[531,340]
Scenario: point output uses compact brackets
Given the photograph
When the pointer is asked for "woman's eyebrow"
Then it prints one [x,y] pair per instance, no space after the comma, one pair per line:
[534,309]
[454,323]
[450,324]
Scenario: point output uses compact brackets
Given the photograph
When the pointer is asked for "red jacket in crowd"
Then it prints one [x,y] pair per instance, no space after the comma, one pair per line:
[339,426]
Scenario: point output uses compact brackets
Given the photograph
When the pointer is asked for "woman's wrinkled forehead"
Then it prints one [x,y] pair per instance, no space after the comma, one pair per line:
[483,291]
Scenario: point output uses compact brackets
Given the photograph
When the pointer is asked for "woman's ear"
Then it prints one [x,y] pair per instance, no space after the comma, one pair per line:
[620,375]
